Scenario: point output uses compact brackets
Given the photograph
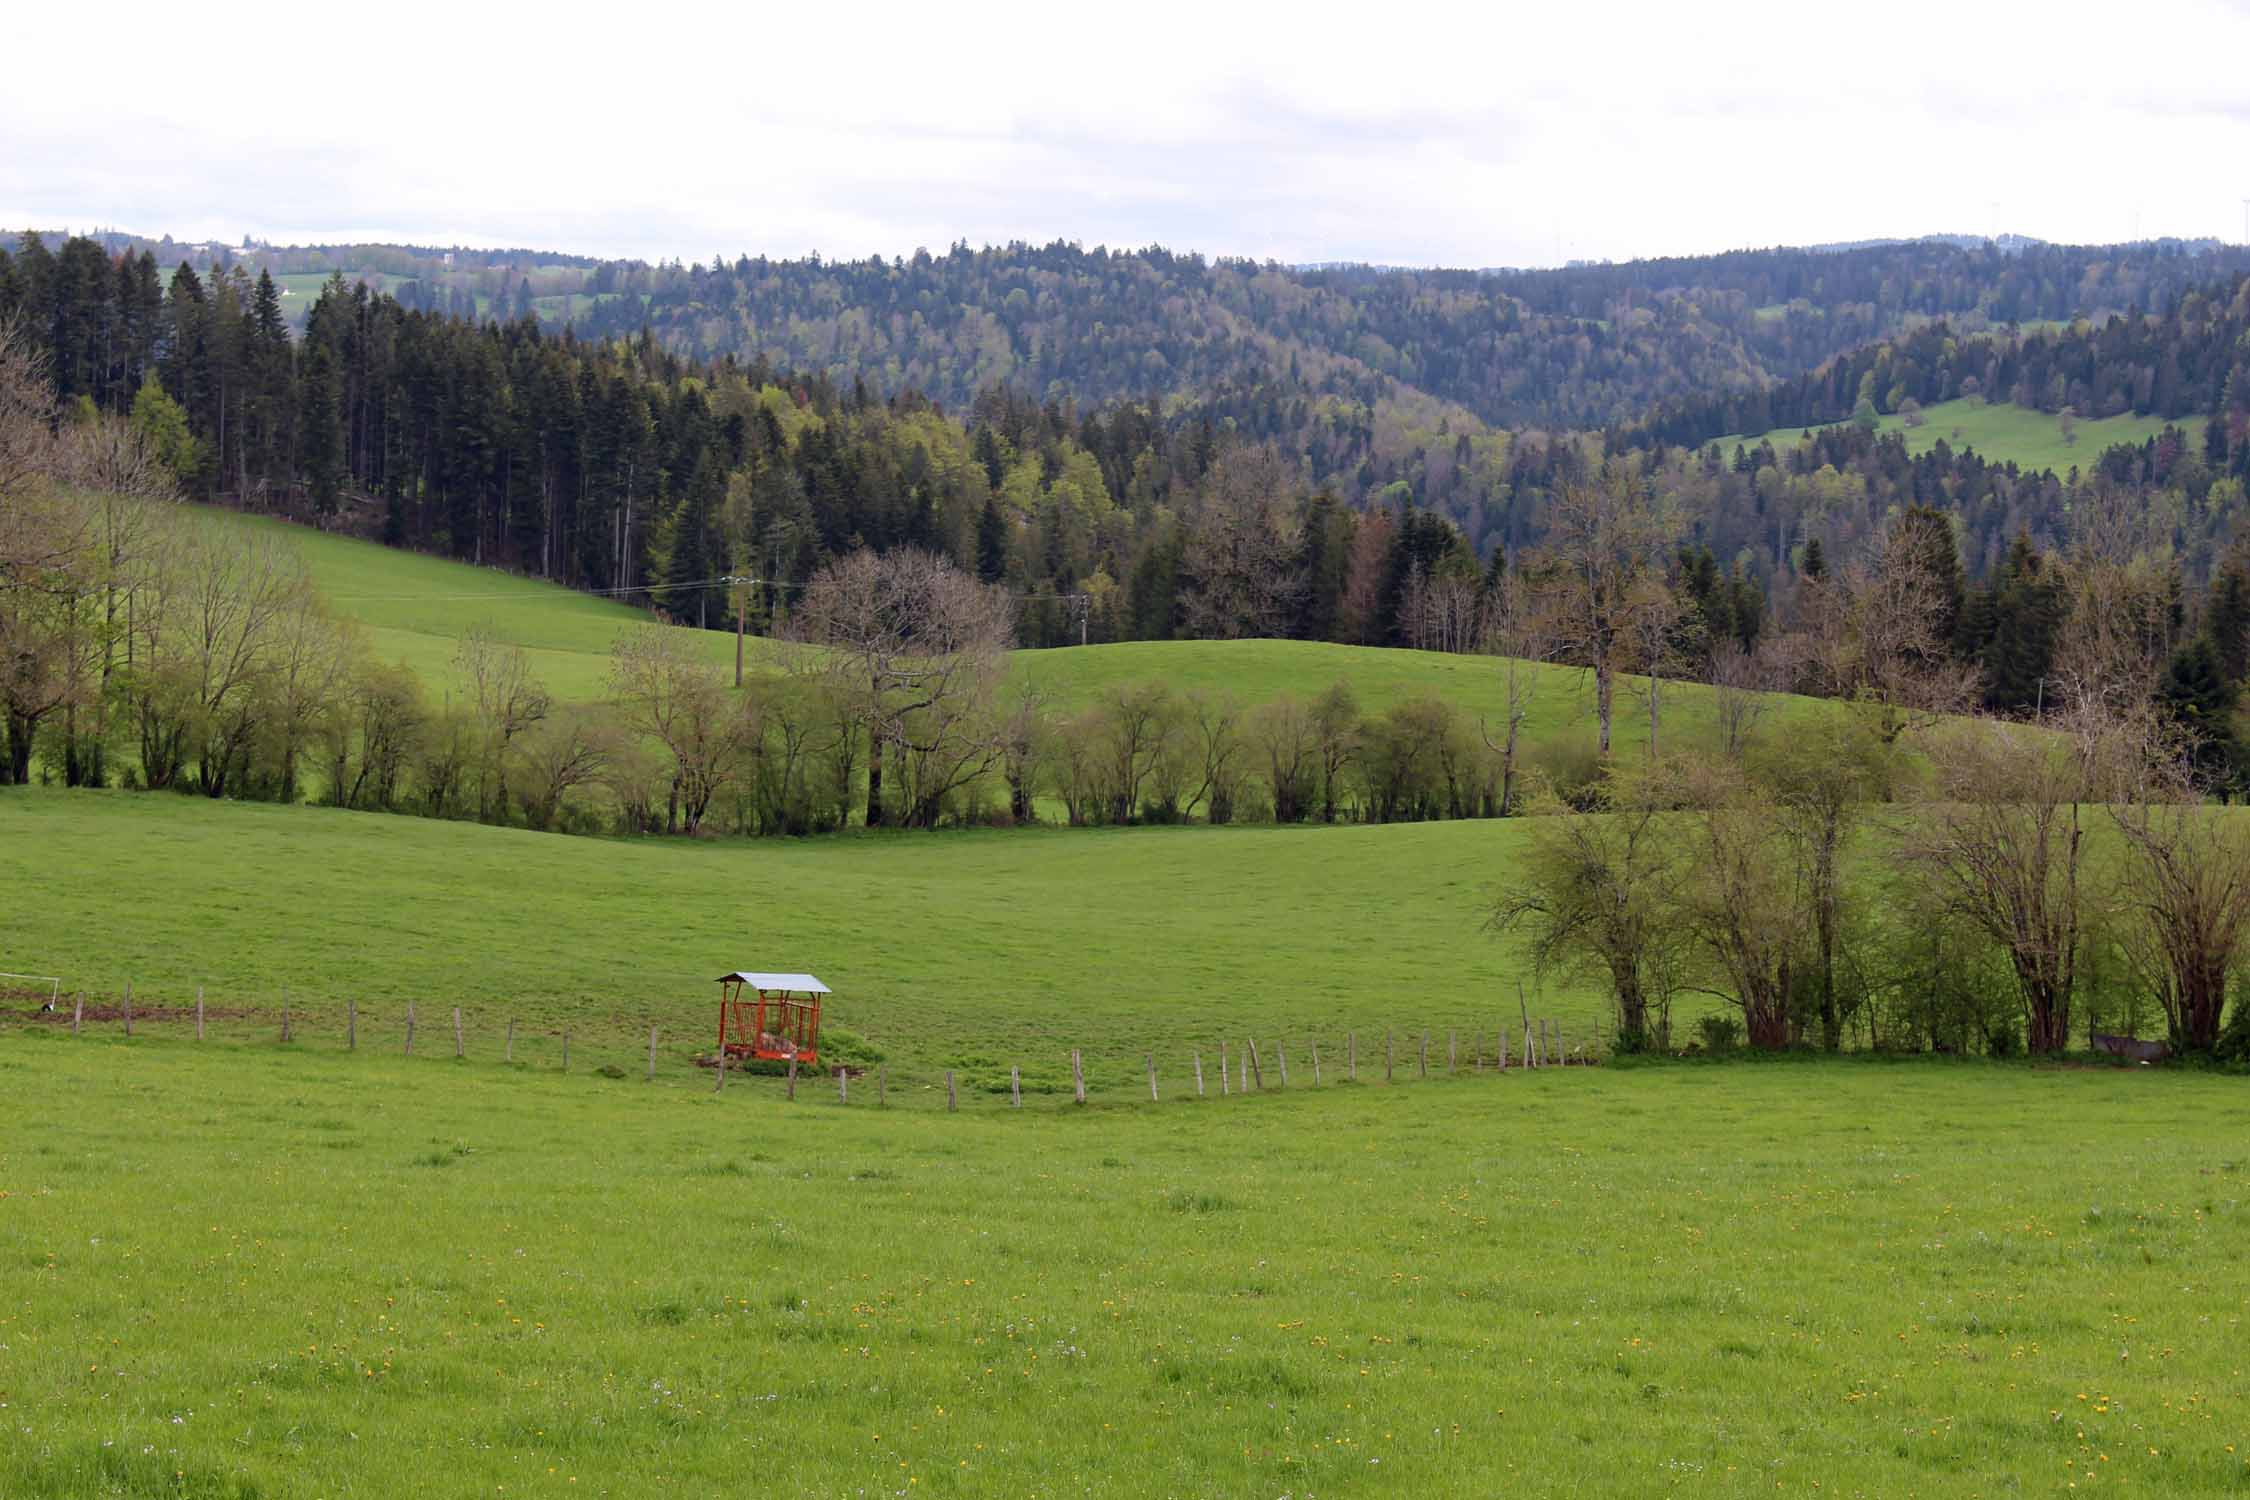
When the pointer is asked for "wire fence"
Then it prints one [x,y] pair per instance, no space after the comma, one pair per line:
[1230,1067]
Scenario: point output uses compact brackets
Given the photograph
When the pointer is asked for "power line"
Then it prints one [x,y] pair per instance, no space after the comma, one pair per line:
[523,597]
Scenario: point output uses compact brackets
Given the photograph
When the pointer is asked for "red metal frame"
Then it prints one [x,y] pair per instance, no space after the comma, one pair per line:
[774,1024]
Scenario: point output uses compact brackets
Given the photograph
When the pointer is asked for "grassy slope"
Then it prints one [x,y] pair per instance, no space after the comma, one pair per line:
[416,608]
[972,950]
[2001,433]
[239,1271]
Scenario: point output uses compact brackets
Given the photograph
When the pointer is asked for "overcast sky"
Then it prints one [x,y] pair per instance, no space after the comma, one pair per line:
[1486,134]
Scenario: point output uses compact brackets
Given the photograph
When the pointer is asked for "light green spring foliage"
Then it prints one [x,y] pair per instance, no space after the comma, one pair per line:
[238,1270]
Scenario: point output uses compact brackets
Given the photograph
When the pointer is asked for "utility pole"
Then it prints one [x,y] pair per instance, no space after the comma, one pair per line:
[741,608]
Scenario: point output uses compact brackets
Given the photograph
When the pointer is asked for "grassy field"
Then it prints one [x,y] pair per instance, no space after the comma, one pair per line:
[973,951]
[2001,433]
[255,1272]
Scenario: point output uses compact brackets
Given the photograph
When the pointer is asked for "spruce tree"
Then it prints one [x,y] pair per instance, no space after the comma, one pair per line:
[992,538]
[2227,621]
[2200,699]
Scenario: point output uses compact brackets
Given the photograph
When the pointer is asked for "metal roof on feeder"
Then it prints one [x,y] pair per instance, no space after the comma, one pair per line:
[800,983]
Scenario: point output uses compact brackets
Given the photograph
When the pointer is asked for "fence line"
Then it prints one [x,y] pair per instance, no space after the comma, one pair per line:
[1242,1063]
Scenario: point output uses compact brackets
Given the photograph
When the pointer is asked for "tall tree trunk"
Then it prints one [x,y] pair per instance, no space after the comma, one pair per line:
[874,777]
[1604,688]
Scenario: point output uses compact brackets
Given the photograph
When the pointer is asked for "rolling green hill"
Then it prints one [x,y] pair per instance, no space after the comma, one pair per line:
[416,608]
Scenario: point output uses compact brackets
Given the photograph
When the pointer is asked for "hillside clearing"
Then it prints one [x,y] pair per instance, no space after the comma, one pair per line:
[2002,433]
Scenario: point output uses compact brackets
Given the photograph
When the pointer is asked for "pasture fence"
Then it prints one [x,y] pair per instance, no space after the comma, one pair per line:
[1242,1061]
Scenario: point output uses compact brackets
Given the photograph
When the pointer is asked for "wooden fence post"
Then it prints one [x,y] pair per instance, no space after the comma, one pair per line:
[285,1013]
[1351,1057]
[652,1054]
[1152,1078]
[882,1088]
[1281,1061]
[1224,1085]
[1530,1053]
[721,1070]
[1452,1052]
[410,1029]
[1015,1085]
[128,1007]
[792,1093]
[1316,1063]
[1386,1054]
[459,1051]
[351,1024]
[1199,1072]
[566,1052]
[1252,1054]
[1077,1076]
[511,1052]
[77,1012]
[1425,1055]
[950,1103]
[843,1085]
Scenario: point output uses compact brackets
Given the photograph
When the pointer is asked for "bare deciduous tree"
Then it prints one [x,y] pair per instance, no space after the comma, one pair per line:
[1514,634]
[1743,683]
[917,648]
[2120,587]
[2002,847]
[671,693]
[1336,740]
[1287,741]
[504,701]
[561,753]
[1873,640]
[2185,889]
[1221,746]
[1242,549]
[1823,780]
[1598,579]
[1750,910]
[1596,896]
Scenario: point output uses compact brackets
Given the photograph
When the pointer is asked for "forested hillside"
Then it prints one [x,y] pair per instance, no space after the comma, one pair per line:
[1575,347]
[2181,362]
[1294,502]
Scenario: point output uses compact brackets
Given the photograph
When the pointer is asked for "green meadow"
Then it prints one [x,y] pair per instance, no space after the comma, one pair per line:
[253,1271]
[975,951]
[2001,433]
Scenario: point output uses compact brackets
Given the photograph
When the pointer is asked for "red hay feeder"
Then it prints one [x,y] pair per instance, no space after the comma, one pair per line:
[775,1016]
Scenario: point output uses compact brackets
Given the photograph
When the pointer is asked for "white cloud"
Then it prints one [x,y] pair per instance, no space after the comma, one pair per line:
[1423,134]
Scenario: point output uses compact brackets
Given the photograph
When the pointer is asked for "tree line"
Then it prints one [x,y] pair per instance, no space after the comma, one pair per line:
[1900,868]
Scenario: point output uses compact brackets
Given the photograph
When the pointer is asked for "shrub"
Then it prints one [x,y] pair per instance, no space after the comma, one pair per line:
[1719,1033]
[2234,1037]
[1571,768]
